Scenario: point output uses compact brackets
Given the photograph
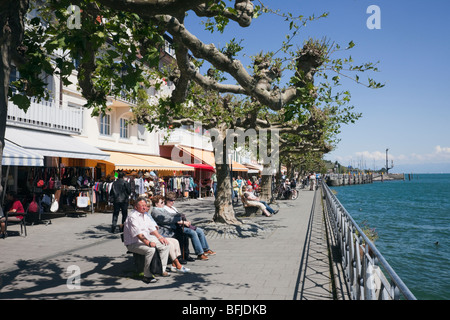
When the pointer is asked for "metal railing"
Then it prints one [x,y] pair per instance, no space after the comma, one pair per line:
[367,273]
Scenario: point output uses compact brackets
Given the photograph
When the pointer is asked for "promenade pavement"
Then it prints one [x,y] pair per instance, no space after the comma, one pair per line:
[283,257]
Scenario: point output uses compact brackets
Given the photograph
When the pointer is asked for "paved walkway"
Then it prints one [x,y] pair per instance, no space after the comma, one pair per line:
[283,257]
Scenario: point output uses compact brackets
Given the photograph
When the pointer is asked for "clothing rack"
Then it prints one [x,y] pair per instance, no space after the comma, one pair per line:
[182,185]
[68,198]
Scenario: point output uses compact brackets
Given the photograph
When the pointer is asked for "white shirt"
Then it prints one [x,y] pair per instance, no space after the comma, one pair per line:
[137,223]
[250,195]
[171,209]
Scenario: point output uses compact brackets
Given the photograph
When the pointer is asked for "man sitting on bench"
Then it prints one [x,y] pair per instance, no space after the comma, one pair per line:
[138,236]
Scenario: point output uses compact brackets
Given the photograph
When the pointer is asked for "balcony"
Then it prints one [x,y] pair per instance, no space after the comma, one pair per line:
[186,138]
[47,116]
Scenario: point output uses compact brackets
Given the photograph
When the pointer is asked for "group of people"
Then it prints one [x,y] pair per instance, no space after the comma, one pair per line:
[240,185]
[313,181]
[162,228]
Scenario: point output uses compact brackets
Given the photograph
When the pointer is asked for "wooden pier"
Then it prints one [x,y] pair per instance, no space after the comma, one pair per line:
[335,180]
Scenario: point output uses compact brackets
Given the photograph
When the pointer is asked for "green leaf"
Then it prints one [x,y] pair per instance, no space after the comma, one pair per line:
[23,102]
[113,54]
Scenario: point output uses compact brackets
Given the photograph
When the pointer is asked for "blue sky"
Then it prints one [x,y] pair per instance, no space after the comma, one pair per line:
[411,114]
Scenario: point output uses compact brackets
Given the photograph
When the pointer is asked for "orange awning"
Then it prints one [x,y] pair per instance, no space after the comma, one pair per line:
[135,161]
[239,167]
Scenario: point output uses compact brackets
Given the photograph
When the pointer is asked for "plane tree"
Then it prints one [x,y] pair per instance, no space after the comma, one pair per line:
[117,44]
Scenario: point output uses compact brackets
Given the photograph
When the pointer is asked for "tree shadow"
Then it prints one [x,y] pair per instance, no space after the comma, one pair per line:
[101,231]
[46,280]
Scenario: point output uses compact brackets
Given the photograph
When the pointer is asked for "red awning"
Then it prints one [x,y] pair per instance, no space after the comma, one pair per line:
[200,166]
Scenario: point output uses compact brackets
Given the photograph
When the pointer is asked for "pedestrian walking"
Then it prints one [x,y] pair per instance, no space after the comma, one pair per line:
[120,193]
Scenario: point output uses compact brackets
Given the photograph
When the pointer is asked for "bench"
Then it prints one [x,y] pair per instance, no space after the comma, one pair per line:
[139,260]
[155,266]
[250,210]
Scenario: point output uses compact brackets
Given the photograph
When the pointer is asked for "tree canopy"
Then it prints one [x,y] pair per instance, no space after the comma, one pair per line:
[118,45]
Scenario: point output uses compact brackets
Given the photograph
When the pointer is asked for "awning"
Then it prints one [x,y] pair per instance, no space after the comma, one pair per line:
[135,161]
[208,158]
[201,166]
[54,144]
[204,156]
[253,167]
[238,167]
[13,155]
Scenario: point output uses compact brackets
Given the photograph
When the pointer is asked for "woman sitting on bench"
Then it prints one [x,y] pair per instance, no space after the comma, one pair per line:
[249,199]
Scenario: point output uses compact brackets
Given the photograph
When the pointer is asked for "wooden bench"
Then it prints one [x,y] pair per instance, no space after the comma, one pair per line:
[250,211]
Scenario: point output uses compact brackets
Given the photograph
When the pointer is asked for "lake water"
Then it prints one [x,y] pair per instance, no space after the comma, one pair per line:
[412,218]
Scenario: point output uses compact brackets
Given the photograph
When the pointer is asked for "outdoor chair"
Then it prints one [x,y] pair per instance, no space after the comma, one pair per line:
[11,218]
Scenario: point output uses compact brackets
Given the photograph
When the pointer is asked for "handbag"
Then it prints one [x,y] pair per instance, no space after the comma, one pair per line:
[156,264]
[54,206]
[33,207]
[82,201]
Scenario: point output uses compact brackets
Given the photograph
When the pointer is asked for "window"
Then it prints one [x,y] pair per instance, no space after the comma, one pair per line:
[124,128]
[168,48]
[13,76]
[105,124]
[141,132]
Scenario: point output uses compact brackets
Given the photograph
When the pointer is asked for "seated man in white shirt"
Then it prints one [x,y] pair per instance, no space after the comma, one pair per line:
[141,236]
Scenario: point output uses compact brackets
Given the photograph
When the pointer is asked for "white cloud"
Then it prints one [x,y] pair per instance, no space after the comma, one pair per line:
[438,154]
[442,150]
[366,155]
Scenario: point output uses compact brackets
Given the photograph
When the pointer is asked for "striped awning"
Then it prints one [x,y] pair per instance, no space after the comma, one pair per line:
[50,144]
[14,155]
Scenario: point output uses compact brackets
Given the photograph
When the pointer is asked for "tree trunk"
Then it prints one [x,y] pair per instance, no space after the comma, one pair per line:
[224,207]
[5,69]
[266,186]
[11,36]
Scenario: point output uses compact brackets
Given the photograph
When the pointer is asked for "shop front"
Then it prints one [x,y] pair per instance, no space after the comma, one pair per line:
[66,172]
[151,174]
[203,161]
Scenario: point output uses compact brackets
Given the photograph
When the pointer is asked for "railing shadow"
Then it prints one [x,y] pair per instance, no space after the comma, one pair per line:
[314,280]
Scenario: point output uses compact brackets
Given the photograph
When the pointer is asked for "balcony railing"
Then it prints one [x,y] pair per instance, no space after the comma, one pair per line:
[186,138]
[47,115]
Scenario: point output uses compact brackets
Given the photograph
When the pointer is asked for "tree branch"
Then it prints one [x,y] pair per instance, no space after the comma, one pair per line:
[310,58]
[244,9]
